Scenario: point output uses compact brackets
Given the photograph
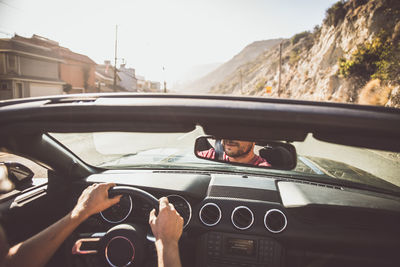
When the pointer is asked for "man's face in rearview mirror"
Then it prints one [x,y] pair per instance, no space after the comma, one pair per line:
[238,149]
[230,151]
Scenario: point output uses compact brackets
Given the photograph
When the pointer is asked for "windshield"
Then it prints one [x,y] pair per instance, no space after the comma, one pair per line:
[321,160]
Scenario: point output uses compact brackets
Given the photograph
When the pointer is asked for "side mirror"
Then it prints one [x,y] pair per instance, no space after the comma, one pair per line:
[14,175]
[265,154]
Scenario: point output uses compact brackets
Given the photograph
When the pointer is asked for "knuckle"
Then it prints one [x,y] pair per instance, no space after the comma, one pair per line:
[164,199]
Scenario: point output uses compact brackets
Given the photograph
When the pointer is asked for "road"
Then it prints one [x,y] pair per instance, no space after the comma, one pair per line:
[98,148]
[385,165]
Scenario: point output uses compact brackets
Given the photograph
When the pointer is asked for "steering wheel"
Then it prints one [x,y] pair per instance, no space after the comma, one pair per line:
[123,244]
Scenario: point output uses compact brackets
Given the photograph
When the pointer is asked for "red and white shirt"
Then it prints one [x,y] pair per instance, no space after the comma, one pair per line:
[256,160]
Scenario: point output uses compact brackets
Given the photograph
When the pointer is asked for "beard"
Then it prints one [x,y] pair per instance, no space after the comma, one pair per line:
[236,153]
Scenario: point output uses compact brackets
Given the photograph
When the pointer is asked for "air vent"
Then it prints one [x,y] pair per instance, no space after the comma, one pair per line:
[311,183]
[242,218]
[275,221]
[187,172]
[210,214]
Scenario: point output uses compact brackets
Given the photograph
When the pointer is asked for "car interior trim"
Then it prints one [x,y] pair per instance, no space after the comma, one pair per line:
[219,211]
[188,205]
[76,249]
[123,238]
[124,218]
[236,210]
[265,221]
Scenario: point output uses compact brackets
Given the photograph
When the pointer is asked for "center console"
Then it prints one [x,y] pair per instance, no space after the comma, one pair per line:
[223,249]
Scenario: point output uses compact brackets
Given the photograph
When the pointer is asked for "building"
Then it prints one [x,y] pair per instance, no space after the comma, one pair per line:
[38,66]
[76,70]
[155,86]
[28,70]
[128,78]
[144,85]
[141,83]
[104,77]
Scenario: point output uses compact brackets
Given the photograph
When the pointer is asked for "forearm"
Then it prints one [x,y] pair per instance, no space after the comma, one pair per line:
[168,254]
[37,250]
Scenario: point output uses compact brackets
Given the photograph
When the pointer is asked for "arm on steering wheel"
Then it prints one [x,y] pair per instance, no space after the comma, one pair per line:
[37,250]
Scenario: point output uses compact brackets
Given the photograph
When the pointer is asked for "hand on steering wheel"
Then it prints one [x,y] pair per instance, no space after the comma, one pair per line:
[94,199]
[167,226]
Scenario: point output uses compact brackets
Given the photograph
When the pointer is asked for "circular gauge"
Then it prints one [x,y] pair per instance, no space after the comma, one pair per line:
[182,206]
[118,212]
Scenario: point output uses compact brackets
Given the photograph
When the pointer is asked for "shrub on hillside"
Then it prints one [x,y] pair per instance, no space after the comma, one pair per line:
[297,37]
[335,13]
[316,33]
[294,56]
[260,85]
[377,59]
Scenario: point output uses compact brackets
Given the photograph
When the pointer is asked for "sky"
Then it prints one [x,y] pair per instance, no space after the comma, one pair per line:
[161,39]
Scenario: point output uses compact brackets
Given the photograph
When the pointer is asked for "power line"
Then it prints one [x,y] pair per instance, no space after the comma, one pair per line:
[6,4]
[5,33]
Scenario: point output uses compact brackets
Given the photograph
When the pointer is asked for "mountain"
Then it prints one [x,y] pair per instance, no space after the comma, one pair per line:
[249,53]
[354,56]
[192,74]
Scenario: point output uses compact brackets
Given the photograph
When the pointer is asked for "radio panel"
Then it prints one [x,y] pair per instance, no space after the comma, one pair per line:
[241,250]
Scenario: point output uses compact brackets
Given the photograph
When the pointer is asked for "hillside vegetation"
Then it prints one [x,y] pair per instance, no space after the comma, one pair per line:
[354,56]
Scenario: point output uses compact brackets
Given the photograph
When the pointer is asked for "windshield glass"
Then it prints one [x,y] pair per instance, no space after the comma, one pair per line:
[321,160]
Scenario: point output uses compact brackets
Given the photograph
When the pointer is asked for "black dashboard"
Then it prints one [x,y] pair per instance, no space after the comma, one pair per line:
[249,220]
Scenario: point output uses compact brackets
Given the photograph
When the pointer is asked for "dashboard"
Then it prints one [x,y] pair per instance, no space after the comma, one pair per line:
[244,220]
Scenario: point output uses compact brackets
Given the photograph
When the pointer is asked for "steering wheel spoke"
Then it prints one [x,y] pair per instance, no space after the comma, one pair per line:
[87,244]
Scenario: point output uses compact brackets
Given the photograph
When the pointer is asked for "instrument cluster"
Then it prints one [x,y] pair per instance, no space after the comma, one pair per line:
[129,207]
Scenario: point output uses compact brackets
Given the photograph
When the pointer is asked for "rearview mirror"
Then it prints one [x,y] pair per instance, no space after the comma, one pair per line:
[266,154]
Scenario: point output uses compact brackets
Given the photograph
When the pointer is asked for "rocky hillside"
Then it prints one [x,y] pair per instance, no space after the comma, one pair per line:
[354,56]
[249,53]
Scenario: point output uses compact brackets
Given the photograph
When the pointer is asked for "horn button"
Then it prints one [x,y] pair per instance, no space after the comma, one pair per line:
[123,245]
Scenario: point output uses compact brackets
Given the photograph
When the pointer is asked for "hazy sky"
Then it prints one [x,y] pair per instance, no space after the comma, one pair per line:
[177,34]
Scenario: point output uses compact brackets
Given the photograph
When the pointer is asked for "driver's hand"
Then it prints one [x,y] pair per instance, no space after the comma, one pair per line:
[167,226]
[93,200]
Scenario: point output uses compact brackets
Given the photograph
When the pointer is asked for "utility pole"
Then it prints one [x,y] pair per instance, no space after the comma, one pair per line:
[280,67]
[115,59]
[241,82]
[165,83]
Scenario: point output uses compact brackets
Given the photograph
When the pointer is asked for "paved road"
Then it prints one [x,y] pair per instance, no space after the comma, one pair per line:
[102,147]
[379,163]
